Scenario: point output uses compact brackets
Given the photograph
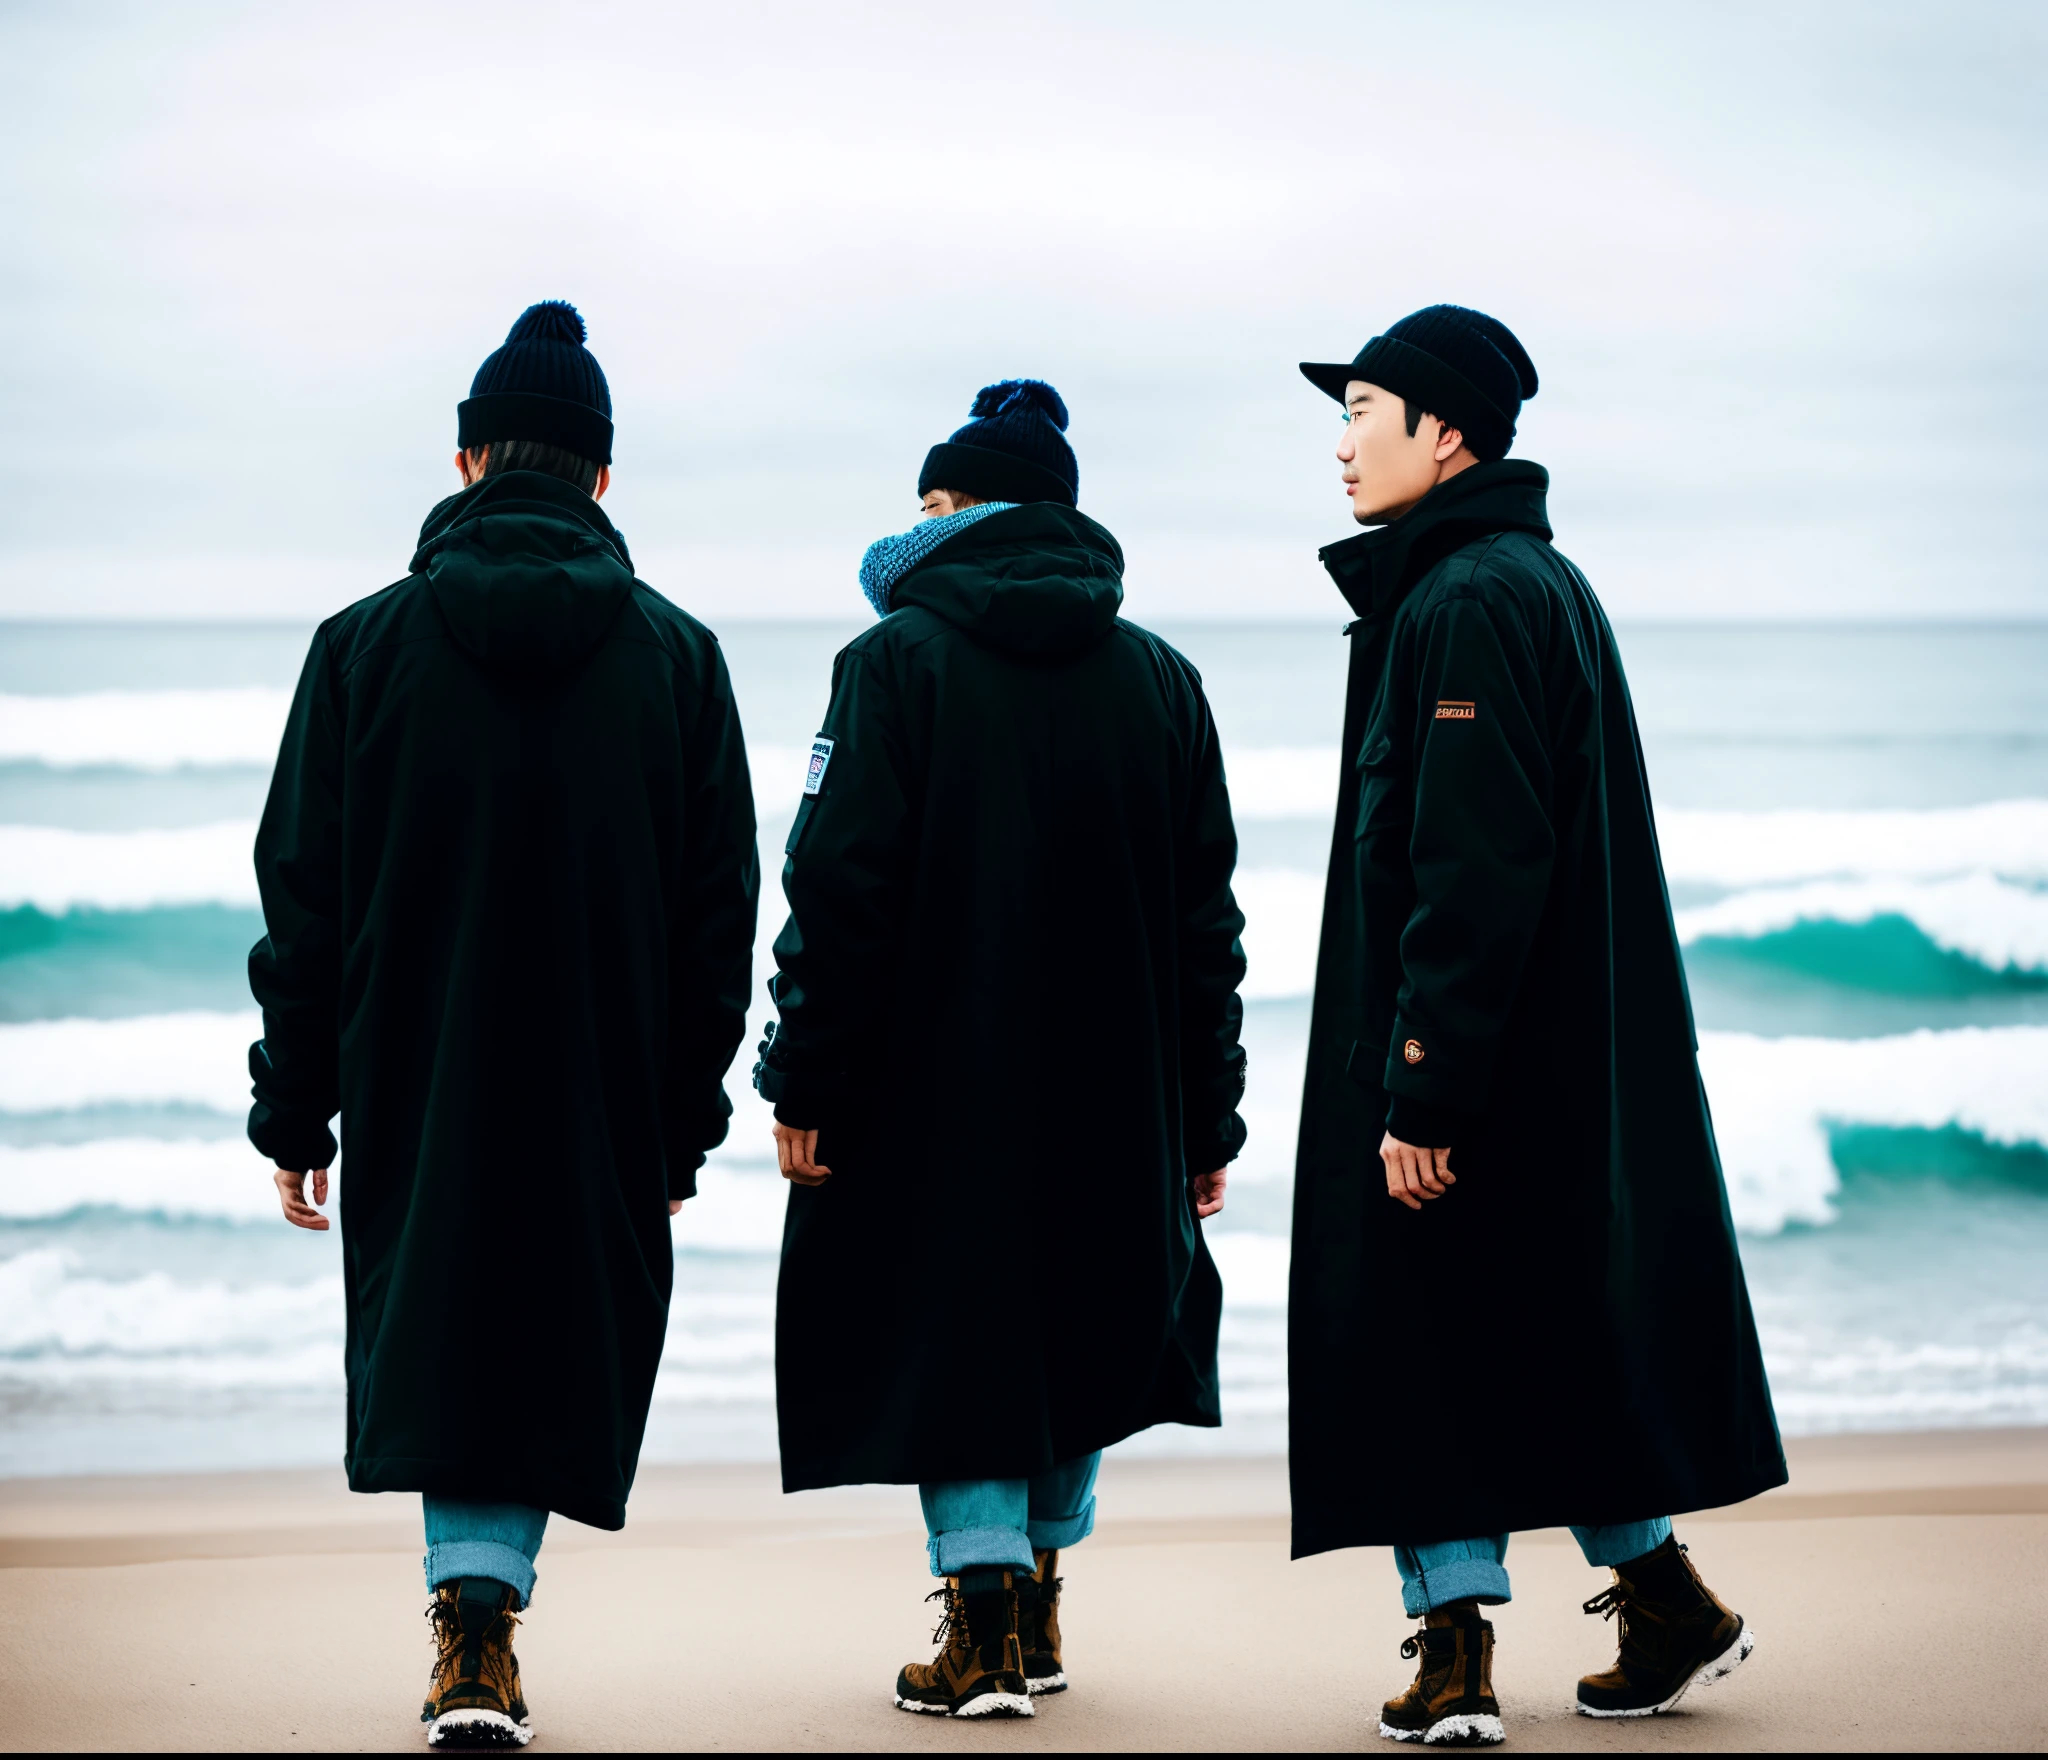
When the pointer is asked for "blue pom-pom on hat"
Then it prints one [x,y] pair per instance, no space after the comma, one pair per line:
[1012,448]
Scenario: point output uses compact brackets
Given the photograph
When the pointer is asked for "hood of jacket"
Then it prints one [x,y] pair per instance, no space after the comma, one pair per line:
[1038,581]
[1375,569]
[526,571]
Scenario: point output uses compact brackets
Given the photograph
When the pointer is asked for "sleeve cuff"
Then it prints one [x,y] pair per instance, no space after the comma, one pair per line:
[1424,1126]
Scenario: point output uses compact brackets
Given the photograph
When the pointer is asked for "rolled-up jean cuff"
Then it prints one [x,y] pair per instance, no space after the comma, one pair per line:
[1459,1580]
[1619,1542]
[449,1559]
[959,1549]
[1049,1534]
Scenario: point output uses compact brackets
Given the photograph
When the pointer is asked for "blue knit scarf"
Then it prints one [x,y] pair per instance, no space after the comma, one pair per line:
[889,559]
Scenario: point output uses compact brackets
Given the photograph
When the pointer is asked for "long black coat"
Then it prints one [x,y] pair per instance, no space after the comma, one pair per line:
[509,877]
[1008,996]
[1565,1336]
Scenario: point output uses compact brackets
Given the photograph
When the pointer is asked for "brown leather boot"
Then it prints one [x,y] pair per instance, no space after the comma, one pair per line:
[474,1699]
[1038,1625]
[1676,1634]
[979,1670]
[1451,1702]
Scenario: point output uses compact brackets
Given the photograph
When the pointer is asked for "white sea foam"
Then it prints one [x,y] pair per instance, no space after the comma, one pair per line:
[49,1309]
[58,870]
[64,1325]
[145,730]
[223,1178]
[195,1058]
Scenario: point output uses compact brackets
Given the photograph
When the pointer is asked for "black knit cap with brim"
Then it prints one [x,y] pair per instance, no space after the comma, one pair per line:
[543,385]
[1458,365]
[1013,448]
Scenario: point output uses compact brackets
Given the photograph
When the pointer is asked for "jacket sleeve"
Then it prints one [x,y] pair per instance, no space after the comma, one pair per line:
[846,878]
[295,970]
[1212,965]
[1481,852]
[711,943]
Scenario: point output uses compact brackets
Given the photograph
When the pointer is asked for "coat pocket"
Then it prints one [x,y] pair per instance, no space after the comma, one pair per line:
[1366,1065]
[1379,787]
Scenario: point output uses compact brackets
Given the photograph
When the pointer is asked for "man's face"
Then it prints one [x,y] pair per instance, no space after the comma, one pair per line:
[1386,468]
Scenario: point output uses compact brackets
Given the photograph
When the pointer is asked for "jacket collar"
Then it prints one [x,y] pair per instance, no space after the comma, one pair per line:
[510,492]
[1375,569]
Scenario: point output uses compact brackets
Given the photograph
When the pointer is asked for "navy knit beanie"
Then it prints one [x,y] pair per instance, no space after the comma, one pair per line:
[1013,448]
[542,385]
[1461,366]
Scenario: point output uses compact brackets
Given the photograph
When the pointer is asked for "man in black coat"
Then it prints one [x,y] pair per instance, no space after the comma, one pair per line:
[1006,1071]
[509,877]
[1516,1298]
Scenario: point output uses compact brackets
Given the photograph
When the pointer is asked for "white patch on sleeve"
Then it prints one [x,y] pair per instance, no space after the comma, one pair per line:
[821,755]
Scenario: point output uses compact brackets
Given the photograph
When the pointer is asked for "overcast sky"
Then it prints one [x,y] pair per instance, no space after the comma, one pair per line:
[1782,270]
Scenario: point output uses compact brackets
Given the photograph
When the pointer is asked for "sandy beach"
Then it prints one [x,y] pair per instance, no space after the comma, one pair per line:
[277,1611]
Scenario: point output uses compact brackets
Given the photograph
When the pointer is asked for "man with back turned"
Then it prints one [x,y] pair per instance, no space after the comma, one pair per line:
[1516,1297]
[1006,1069]
[509,879]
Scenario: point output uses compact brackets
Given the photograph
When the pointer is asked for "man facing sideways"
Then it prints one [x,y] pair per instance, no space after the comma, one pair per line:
[509,878]
[1516,1300]
[1006,1072]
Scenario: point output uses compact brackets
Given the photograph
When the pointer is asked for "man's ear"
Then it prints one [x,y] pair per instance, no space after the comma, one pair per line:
[604,482]
[1448,440]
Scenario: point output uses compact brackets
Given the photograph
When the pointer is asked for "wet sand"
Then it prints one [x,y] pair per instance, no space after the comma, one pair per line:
[276,1611]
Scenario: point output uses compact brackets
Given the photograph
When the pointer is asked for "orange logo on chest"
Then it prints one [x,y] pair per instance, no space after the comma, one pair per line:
[1446,711]
[1412,1051]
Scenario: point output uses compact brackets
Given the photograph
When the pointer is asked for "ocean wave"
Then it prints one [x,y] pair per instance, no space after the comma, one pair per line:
[1776,1100]
[2000,926]
[145,730]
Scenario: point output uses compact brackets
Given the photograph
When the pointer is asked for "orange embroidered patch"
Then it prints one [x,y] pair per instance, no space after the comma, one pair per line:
[1412,1051]
[1446,711]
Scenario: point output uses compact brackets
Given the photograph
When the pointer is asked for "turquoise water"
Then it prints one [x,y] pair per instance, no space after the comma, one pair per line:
[1856,828]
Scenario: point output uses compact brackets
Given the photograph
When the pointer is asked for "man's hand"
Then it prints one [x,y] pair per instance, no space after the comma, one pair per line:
[675,1206]
[798,1152]
[1209,1192]
[1414,1174]
[291,1188]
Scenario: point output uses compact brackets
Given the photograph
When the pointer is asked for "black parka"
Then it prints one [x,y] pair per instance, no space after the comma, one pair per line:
[1565,1335]
[509,876]
[1008,999]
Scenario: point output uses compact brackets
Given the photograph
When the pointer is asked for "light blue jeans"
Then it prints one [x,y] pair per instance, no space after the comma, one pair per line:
[1001,1522]
[495,1540]
[1454,1570]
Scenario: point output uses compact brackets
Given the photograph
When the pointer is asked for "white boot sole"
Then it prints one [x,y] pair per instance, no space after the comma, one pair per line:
[478,1729]
[1476,1730]
[998,1705]
[1705,1675]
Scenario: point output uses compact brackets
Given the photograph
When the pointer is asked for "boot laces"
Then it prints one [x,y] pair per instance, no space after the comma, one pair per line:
[952,1616]
[445,1617]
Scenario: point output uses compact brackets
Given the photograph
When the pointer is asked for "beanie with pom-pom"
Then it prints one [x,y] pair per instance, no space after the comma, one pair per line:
[542,385]
[1013,448]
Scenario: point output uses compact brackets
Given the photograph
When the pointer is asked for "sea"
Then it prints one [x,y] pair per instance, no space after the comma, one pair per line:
[1855,828]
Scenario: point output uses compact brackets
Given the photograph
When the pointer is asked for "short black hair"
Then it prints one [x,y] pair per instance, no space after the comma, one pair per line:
[537,455]
[1415,414]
